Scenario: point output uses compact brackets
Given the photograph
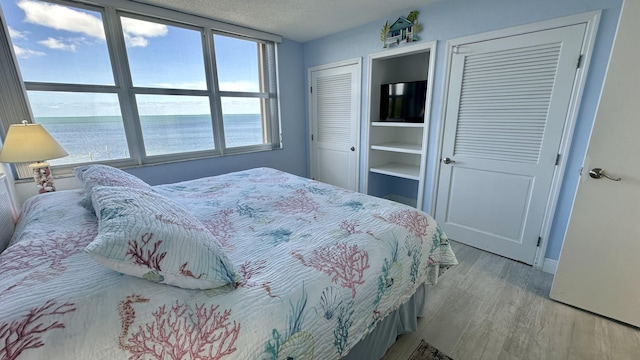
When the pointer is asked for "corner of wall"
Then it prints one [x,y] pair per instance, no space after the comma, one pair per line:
[550,266]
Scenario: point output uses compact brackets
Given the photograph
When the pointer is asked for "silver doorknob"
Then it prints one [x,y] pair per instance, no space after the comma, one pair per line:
[448,160]
[598,173]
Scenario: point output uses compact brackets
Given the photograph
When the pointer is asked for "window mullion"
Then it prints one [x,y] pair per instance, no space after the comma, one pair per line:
[124,84]
[265,106]
[262,95]
[214,92]
[166,91]
[42,86]
[274,98]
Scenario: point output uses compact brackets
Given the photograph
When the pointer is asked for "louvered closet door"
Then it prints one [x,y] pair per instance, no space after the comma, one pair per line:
[506,110]
[335,116]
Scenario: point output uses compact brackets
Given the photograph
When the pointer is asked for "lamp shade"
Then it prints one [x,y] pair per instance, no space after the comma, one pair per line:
[30,142]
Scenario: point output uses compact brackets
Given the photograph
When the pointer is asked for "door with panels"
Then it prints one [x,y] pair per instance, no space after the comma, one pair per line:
[507,105]
[335,123]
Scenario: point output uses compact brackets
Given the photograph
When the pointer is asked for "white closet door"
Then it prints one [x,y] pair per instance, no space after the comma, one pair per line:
[335,118]
[507,105]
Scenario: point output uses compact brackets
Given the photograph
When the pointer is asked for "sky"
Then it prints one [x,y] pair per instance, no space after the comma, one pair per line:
[55,43]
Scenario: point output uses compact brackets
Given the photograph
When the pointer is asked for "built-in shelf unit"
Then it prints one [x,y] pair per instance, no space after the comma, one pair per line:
[397,150]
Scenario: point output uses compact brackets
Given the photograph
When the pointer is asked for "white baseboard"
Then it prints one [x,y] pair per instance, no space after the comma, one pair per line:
[550,266]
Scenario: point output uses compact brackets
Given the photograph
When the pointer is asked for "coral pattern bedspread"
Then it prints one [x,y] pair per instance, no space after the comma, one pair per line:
[320,266]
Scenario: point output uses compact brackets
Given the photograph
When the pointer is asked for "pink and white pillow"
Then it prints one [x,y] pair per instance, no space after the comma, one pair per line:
[103,175]
[143,234]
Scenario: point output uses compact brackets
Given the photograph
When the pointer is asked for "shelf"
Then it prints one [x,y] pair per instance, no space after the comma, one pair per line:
[402,200]
[410,172]
[397,150]
[397,124]
[400,147]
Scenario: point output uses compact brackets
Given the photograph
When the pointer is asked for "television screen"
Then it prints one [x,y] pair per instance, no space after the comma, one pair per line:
[403,101]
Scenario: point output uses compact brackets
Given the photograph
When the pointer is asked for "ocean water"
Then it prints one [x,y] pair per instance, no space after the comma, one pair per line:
[96,138]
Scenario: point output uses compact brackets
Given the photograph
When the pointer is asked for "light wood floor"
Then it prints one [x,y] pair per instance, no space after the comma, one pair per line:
[489,307]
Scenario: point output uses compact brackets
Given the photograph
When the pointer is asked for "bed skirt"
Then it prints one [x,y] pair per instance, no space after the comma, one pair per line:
[403,320]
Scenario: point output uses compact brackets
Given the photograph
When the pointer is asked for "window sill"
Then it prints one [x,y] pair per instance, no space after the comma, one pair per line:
[66,171]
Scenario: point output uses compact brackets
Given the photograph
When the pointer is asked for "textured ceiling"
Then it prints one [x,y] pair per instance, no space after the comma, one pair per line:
[299,20]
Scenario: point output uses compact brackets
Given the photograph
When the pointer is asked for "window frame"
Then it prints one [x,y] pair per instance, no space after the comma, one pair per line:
[267,94]
[111,12]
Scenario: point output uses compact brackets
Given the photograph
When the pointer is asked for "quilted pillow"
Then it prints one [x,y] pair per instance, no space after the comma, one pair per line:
[143,234]
[103,175]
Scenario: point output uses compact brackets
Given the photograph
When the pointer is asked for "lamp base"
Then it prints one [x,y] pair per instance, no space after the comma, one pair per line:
[42,176]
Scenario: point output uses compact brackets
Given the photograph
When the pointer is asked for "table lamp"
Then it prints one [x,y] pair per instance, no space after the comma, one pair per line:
[31,142]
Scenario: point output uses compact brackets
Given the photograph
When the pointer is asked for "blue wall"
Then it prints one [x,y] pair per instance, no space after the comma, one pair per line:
[450,19]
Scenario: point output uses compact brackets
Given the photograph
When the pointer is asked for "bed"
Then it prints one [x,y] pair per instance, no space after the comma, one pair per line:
[301,270]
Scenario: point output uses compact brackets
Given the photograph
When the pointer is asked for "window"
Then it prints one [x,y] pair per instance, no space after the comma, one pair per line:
[243,121]
[163,56]
[243,89]
[58,44]
[69,78]
[174,124]
[168,59]
[88,125]
[128,88]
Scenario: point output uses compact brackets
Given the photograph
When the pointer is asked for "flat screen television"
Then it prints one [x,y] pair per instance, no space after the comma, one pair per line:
[403,101]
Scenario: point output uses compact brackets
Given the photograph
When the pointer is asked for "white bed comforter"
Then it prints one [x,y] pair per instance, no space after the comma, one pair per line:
[320,266]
